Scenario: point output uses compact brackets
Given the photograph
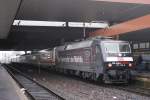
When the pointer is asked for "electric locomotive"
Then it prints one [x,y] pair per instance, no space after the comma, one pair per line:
[97,58]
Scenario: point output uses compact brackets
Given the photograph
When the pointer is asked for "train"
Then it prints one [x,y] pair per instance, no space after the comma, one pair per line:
[98,58]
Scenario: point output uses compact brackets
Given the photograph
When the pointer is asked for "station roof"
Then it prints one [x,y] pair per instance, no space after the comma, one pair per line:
[8,10]
[81,10]
[112,11]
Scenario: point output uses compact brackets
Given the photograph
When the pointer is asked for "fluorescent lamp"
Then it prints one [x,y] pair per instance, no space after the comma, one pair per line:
[88,25]
[38,23]
[96,25]
[76,24]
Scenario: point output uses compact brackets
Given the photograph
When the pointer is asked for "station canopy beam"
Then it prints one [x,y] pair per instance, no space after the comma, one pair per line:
[125,27]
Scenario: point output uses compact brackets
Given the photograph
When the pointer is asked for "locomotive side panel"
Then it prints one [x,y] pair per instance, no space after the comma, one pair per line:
[77,59]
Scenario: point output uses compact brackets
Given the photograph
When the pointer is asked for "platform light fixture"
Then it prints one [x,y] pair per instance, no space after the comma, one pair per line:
[89,25]
[76,24]
[28,52]
[60,24]
[39,23]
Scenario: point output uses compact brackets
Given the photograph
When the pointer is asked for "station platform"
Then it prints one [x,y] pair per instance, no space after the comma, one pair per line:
[144,74]
[143,79]
[8,89]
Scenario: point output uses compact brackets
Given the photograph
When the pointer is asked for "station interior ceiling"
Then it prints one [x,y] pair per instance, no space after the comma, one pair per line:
[31,38]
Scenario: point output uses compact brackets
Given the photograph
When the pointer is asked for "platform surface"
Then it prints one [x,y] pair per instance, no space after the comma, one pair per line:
[144,74]
[7,89]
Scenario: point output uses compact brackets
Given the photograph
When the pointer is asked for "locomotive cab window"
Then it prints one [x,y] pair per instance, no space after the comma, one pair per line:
[124,48]
[117,47]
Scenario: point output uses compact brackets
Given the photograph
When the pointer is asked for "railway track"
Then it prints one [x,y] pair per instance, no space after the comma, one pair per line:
[128,88]
[131,87]
[33,90]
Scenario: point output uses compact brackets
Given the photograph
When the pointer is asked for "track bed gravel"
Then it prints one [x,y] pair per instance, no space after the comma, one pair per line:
[72,89]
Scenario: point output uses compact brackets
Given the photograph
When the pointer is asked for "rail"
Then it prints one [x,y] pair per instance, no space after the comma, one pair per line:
[33,90]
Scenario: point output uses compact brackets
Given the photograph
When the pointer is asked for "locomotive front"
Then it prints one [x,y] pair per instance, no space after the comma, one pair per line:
[118,61]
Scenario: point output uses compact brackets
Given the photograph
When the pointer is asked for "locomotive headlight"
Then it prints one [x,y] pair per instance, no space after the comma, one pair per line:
[109,65]
[130,65]
[119,54]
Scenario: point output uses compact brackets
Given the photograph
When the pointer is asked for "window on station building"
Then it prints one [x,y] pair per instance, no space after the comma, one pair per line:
[39,23]
[135,46]
[147,44]
[88,25]
[142,45]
